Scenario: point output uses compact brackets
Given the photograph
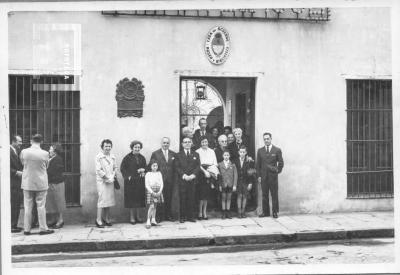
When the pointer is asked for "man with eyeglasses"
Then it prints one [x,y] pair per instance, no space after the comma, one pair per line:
[187,167]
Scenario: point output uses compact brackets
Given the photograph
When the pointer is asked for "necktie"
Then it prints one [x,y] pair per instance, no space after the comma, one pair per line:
[166,155]
[267,149]
[187,153]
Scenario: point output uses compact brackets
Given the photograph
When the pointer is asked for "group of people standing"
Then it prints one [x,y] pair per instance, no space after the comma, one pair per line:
[207,163]
[196,170]
[36,177]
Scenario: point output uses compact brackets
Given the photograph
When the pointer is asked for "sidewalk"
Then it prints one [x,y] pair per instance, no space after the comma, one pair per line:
[251,230]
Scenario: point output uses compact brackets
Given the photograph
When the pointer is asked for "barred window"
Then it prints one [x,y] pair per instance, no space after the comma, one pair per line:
[50,106]
[369,139]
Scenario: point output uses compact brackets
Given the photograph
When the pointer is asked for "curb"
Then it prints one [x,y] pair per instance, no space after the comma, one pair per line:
[201,241]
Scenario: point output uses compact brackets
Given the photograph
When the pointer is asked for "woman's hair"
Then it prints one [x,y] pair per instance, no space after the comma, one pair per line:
[237,130]
[133,143]
[104,142]
[226,151]
[203,138]
[57,147]
[221,137]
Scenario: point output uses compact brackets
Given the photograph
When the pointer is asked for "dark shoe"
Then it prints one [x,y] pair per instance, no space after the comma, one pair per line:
[51,224]
[154,224]
[134,222]
[106,223]
[46,232]
[181,220]
[228,214]
[263,215]
[192,220]
[99,225]
[275,215]
[244,215]
[27,233]
[16,229]
[58,226]
[206,218]
[199,218]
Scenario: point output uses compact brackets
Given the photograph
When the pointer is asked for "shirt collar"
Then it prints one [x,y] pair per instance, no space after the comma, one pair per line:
[15,150]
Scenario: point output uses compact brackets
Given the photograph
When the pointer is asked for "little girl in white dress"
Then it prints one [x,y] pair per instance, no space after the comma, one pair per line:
[154,186]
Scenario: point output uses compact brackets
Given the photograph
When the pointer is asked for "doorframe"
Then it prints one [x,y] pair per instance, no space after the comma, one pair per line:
[258,77]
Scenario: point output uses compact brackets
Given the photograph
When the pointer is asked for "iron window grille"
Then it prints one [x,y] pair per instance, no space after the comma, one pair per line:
[49,105]
[369,139]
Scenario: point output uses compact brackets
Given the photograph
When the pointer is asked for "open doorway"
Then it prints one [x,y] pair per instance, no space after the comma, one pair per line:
[222,101]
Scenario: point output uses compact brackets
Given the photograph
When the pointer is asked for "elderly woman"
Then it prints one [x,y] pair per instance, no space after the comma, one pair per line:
[235,146]
[133,169]
[208,176]
[222,146]
[55,201]
[106,167]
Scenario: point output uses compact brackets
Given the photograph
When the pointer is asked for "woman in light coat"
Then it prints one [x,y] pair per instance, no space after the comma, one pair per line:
[105,173]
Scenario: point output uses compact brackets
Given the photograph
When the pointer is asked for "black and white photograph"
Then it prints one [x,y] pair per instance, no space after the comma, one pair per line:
[212,137]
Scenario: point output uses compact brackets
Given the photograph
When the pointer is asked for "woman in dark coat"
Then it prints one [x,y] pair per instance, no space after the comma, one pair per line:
[55,201]
[133,170]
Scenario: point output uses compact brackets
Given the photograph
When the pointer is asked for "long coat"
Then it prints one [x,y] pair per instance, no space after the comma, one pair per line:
[269,165]
[55,170]
[134,187]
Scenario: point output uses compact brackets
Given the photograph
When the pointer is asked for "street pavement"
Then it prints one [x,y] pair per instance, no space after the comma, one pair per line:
[213,232]
[356,251]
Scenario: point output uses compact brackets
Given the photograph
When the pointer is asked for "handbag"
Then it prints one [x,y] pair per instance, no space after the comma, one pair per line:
[116,184]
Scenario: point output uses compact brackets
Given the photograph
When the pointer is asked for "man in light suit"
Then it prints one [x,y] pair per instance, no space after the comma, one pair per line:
[35,184]
[15,181]
[165,160]
[269,165]
[187,167]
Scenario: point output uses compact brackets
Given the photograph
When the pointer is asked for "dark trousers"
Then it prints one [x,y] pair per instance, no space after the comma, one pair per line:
[187,199]
[16,199]
[164,209]
[270,187]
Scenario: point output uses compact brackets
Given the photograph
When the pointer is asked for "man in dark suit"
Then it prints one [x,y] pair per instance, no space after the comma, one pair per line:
[187,166]
[199,133]
[269,165]
[165,160]
[15,181]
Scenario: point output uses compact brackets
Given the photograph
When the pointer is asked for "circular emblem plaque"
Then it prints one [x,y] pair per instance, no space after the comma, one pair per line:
[217,46]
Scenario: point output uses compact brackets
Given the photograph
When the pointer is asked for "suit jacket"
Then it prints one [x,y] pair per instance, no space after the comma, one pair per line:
[187,165]
[243,176]
[15,165]
[229,175]
[234,149]
[34,175]
[197,136]
[218,153]
[166,167]
[269,165]
[55,170]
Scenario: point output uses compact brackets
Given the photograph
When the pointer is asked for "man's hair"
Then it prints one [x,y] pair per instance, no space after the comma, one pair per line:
[14,138]
[38,138]
[267,134]
[186,138]
[243,147]
[202,119]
